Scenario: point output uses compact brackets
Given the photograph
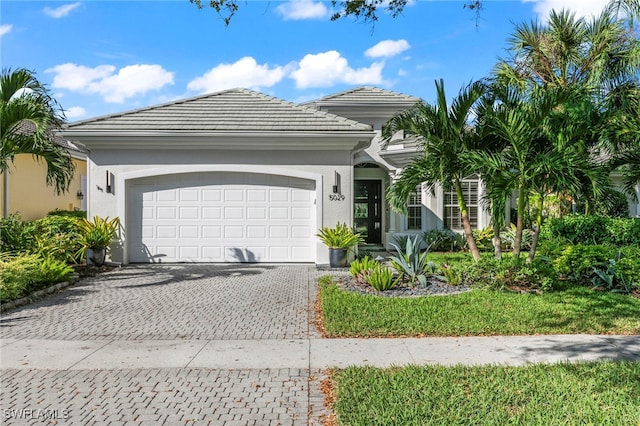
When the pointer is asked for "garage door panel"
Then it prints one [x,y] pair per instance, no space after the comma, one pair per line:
[215,217]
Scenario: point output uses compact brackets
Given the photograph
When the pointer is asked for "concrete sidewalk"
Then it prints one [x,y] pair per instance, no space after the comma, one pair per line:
[314,354]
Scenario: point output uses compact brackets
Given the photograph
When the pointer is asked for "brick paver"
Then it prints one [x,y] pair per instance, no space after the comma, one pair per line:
[170,302]
[159,396]
[160,302]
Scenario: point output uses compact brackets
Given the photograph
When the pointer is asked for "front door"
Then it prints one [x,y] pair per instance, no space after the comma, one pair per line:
[368,210]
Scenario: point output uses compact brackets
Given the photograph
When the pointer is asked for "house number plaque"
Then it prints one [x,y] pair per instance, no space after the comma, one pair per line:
[336,197]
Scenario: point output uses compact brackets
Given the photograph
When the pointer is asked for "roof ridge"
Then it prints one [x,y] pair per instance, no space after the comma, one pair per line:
[360,89]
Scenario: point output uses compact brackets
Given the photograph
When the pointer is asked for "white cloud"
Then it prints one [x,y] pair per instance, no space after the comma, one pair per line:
[132,80]
[296,10]
[329,68]
[5,28]
[387,48]
[244,73]
[75,112]
[62,11]
[582,8]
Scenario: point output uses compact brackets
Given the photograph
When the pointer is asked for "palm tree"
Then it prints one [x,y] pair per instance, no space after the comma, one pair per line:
[29,117]
[445,133]
[569,51]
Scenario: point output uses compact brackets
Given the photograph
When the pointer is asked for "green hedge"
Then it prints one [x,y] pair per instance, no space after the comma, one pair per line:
[594,230]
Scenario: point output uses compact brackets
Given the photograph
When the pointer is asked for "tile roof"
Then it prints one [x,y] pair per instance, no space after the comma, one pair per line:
[367,95]
[27,127]
[229,110]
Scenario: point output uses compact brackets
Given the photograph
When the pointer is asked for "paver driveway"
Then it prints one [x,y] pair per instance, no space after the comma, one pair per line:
[167,302]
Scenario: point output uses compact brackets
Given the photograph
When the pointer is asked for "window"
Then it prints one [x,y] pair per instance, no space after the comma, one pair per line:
[470,189]
[414,210]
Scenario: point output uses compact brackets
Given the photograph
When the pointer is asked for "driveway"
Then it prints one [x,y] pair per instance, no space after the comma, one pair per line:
[137,308]
[179,301]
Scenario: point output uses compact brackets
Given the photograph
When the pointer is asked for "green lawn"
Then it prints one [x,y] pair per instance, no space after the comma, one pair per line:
[603,393]
[478,312]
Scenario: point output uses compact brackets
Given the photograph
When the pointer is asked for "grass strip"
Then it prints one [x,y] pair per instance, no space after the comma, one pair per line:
[577,310]
[598,393]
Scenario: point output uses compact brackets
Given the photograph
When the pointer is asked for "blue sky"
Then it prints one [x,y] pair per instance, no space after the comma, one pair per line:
[101,57]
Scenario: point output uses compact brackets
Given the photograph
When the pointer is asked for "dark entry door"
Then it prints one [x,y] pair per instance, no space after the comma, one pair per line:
[368,210]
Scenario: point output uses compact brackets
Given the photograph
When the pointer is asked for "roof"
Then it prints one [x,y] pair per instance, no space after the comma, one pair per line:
[234,110]
[27,127]
[366,95]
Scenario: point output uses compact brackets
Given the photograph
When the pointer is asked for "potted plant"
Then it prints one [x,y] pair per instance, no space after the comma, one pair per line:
[339,240]
[95,238]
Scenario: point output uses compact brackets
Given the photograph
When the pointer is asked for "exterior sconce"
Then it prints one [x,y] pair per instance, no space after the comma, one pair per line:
[109,183]
[80,195]
[336,182]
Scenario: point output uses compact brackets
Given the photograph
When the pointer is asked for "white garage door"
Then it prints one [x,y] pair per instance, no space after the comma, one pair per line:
[221,217]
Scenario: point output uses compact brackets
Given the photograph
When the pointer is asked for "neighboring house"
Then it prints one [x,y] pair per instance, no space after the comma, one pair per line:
[23,190]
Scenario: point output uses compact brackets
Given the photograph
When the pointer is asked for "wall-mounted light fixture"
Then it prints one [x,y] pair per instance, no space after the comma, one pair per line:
[80,195]
[336,182]
[109,187]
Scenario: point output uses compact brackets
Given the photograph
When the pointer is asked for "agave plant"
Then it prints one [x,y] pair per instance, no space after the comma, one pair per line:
[411,261]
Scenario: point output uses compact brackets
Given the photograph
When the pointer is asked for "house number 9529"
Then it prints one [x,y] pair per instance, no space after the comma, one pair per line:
[336,197]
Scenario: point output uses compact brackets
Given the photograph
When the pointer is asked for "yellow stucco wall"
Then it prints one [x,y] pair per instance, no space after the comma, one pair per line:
[29,194]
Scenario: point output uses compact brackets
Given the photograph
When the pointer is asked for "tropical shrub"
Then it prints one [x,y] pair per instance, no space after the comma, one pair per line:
[576,262]
[579,229]
[360,268]
[620,274]
[22,274]
[509,236]
[513,273]
[381,278]
[484,238]
[78,214]
[58,237]
[411,261]
[444,240]
[451,274]
[616,205]
[16,235]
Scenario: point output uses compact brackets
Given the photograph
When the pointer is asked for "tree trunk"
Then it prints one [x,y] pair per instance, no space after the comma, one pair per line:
[497,241]
[536,232]
[466,224]
[522,203]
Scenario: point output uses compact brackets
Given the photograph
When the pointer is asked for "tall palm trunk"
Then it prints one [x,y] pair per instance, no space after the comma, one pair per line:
[536,232]
[522,203]
[466,223]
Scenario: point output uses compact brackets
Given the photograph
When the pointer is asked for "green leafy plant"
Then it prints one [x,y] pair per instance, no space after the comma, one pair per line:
[78,214]
[360,268]
[483,238]
[381,278]
[444,240]
[58,237]
[509,236]
[451,274]
[54,271]
[341,236]
[411,261]
[24,273]
[577,262]
[16,235]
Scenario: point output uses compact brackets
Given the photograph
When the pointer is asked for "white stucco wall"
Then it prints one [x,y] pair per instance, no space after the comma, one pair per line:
[124,165]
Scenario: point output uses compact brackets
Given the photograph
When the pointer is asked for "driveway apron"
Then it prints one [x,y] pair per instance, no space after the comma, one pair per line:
[123,332]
